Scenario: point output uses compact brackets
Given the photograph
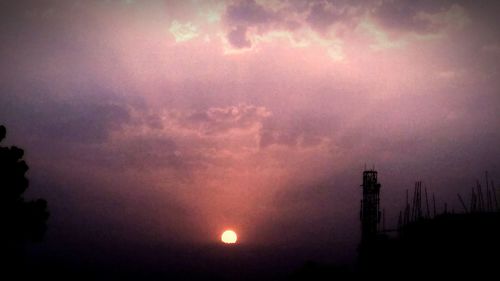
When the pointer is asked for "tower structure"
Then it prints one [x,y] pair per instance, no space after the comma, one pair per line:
[370,206]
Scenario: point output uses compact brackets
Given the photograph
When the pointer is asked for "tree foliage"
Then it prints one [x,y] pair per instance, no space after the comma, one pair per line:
[20,220]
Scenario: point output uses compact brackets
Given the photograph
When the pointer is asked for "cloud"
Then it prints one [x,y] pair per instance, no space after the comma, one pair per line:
[238,37]
[222,120]
[69,121]
[248,12]
[176,141]
[387,21]
[183,32]
[408,15]
[322,15]
[242,15]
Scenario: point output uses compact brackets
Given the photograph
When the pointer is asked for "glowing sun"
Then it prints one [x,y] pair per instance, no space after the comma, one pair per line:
[229,237]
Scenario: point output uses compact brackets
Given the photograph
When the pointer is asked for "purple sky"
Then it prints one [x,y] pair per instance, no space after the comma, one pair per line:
[173,120]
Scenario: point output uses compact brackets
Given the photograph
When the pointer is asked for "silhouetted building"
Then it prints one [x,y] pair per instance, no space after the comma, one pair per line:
[447,244]
[370,206]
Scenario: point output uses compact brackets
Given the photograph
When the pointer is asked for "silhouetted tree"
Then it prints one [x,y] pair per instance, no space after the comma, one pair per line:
[20,220]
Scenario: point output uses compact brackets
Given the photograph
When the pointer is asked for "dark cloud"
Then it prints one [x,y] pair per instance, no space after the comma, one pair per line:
[220,120]
[248,12]
[66,121]
[406,15]
[321,17]
[322,14]
[240,16]
[83,122]
[238,37]
[396,16]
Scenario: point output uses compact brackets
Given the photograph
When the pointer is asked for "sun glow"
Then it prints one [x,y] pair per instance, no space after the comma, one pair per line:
[229,237]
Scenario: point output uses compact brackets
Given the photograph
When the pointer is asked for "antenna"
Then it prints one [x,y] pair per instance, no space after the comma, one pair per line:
[428,214]
[494,194]
[434,203]
[462,202]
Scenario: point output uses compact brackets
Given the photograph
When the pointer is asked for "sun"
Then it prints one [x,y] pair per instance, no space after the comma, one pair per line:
[229,237]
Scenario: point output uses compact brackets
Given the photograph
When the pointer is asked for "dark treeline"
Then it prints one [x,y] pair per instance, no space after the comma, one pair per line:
[21,220]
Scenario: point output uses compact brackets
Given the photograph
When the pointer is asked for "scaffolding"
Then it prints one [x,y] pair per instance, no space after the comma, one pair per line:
[370,206]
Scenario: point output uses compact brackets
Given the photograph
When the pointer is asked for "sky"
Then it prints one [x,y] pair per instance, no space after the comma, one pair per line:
[170,121]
